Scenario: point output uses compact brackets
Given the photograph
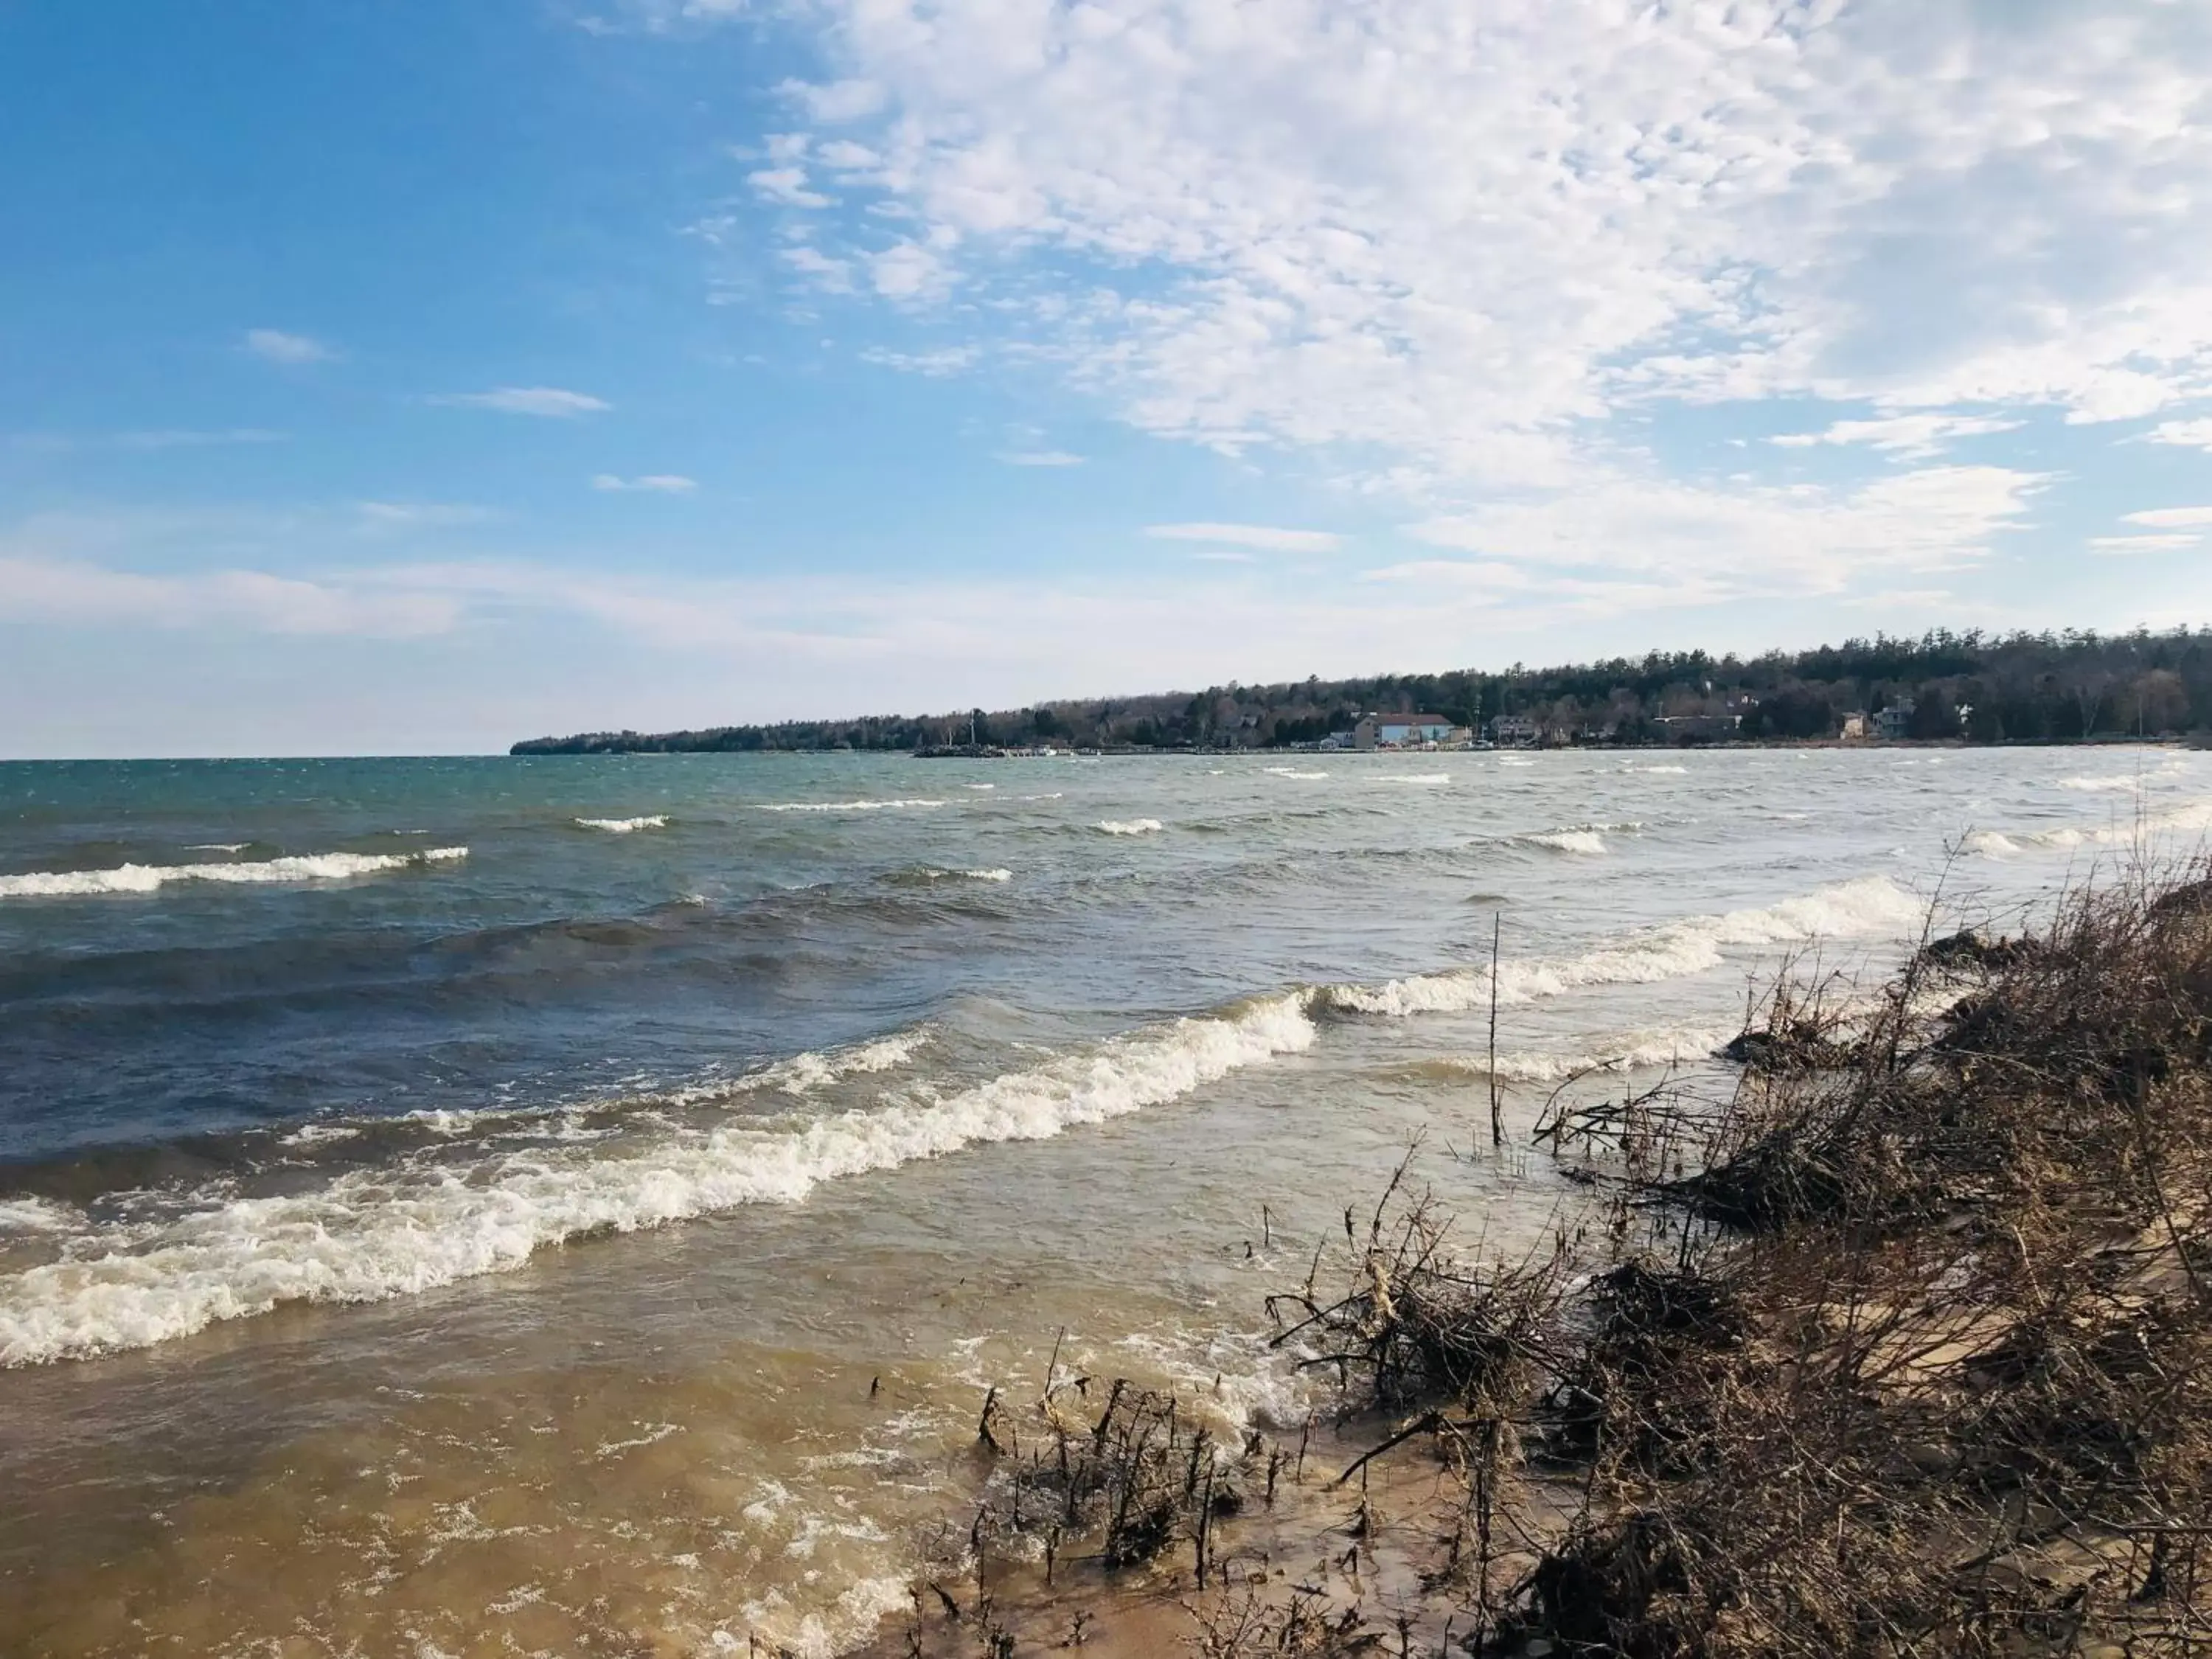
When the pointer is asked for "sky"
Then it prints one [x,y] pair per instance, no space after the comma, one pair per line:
[396,376]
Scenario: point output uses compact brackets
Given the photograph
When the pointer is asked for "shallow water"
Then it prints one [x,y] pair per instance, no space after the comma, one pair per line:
[606,1234]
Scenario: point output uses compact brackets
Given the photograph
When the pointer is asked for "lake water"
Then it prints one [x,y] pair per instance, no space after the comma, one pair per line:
[578,1204]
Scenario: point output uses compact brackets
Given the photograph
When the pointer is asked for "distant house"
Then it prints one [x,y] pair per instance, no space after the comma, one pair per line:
[1855,728]
[1513,732]
[1894,722]
[1403,731]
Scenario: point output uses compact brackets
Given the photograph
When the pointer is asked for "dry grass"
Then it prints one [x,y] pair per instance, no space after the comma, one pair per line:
[1901,1345]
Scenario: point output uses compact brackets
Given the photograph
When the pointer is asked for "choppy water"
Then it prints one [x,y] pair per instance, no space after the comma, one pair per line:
[513,1205]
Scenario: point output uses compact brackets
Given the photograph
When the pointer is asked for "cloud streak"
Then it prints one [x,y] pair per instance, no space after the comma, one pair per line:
[1266,538]
[542,402]
[276,346]
[651,483]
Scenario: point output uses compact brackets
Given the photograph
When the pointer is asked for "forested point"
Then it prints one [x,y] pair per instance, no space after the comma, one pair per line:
[1971,687]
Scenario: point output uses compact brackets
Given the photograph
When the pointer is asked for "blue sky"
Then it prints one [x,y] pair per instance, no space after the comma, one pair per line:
[401,377]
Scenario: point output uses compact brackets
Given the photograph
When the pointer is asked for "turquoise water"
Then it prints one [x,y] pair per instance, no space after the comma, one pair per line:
[525,1107]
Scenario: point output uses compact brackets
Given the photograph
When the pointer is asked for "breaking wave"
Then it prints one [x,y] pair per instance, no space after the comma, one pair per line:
[151,877]
[375,1233]
[1586,843]
[1293,772]
[1131,826]
[624,826]
[1868,906]
[1629,1051]
[1415,777]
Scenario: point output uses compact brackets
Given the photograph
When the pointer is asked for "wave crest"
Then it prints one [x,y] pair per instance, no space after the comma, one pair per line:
[151,877]
[374,1234]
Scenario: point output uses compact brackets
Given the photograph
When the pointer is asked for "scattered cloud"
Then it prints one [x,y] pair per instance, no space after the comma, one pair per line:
[2187,435]
[1041,458]
[786,186]
[420,515]
[1909,437]
[2171,518]
[1454,245]
[546,402]
[658,483]
[937,364]
[35,589]
[1713,543]
[2113,545]
[276,346]
[1266,538]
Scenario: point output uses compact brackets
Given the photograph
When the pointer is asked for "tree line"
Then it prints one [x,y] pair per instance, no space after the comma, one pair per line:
[1978,688]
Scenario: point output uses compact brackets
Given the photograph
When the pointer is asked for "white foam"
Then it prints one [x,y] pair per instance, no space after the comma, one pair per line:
[218,847]
[1131,826]
[1415,777]
[1293,772]
[2141,830]
[1586,843]
[1868,906]
[318,1135]
[981,786]
[1629,1051]
[898,805]
[37,1215]
[375,1233]
[1678,770]
[625,826]
[967,875]
[151,878]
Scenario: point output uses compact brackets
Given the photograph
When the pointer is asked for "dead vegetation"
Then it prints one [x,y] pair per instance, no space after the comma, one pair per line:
[1918,1358]
[1899,1344]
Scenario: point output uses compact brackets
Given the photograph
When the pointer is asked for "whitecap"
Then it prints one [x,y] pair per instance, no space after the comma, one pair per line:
[1293,772]
[625,826]
[1131,826]
[371,1233]
[1586,843]
[1415,777]
[1866,907]
[151,878]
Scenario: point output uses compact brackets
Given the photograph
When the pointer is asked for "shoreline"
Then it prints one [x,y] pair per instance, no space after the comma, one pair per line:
[1903,1345]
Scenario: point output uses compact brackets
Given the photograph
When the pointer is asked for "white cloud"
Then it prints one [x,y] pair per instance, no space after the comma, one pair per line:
[1457,240]
[2170,518]
[937,364]
[786,186]
[2112,544]
[1041,458]
[2187,435]
[35,589]
[1266,538]
[1715,542]
[278,346]
[1909,437]
[658,483]
[420,515]
[547,402]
